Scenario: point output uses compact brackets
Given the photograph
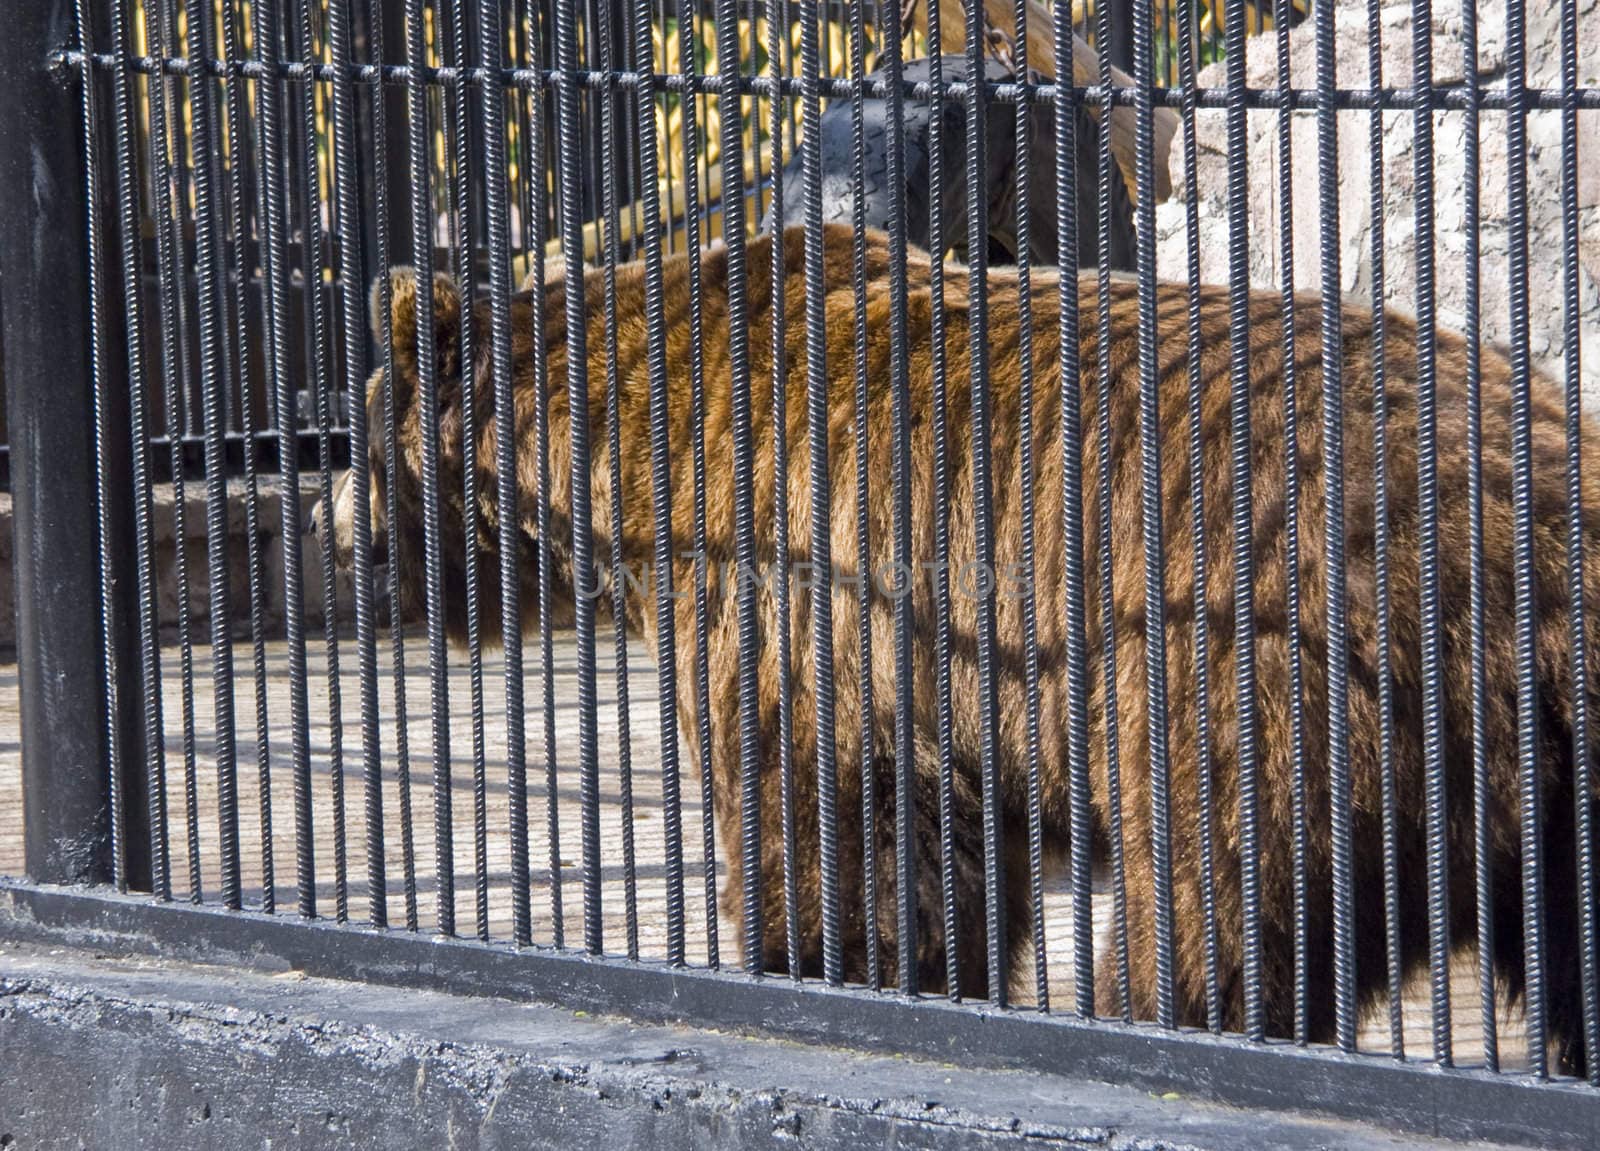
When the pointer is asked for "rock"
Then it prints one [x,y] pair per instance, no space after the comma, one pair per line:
[1397,217]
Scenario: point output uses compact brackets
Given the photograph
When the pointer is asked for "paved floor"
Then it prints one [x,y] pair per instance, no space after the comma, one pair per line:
[194,837]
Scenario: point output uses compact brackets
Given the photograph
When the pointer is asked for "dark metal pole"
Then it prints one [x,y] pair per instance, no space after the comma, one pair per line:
[44,302]
[1121,48]
[393,15]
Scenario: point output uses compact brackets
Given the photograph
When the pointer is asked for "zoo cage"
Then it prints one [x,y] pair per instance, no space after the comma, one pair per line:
[1300,821]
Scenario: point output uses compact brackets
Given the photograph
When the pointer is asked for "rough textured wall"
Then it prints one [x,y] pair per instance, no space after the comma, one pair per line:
[1399,205]
[270,525]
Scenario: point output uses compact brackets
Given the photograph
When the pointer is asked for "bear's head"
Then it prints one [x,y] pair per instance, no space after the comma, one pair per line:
[397,386]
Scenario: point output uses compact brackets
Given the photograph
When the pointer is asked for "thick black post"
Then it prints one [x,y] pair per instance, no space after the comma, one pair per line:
[1121,49]
[44,306]
[398,142]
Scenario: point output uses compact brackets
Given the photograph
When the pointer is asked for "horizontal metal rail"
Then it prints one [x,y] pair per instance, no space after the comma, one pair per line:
[1443,99]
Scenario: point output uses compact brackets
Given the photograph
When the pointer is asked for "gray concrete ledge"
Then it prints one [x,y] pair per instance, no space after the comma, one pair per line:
[146,1053]
[169,598]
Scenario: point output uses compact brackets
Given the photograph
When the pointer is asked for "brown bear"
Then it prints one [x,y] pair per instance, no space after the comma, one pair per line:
[1190,764]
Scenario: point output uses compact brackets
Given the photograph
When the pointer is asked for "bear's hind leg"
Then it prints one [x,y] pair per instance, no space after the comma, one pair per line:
[966,871]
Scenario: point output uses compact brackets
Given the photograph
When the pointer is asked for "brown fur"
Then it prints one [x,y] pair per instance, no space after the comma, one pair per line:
[1273,715]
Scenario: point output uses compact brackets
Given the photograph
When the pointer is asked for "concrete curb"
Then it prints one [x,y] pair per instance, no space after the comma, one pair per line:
[138,1053]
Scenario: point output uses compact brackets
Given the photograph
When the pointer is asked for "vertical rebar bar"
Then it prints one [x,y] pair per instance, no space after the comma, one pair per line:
[347,205]
[1240,445]
[317,353]
[1105,175]
[1155,614]
[269,116]
[1482,798]
[1577,605]
[661,483]
[1080,797]
[1026,480]
[861,439]
[1381,535]
[569,149]
[1528,694]
[904,617]
[426,397]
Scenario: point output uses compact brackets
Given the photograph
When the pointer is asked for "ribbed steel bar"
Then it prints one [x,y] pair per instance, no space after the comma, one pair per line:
[1205,791]
[1577,604]
[994,870]
[93,196]
[861,439]
[1026,482]
[818,421]
[537,207]
[1080,796]
[661,484]
[1240,445]
[1482,798]
[1291,495]
[690,107]
[397,651]
[1113,750]
[318,352]
[1428,536]
[1381,535]
[490,40]
[125,146]
[1155,614]
[569,150]
[905,796]
[269,117]
[1530,801]
[241,270]
[170,286]
[940,573]
[731,143]
[210,277]
[460,136]
[612,253]
[426,398]
[348,208]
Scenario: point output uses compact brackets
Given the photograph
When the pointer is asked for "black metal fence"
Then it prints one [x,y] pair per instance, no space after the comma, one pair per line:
[155,31]
[1071,670]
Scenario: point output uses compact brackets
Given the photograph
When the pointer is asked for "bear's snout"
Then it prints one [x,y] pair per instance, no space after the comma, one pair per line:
[340,520]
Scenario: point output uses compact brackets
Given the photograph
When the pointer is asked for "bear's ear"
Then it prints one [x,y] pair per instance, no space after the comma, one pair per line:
[403,322]
[555,271]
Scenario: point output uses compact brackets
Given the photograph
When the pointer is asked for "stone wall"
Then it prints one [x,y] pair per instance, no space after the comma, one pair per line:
[168,597]
[1398,201]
